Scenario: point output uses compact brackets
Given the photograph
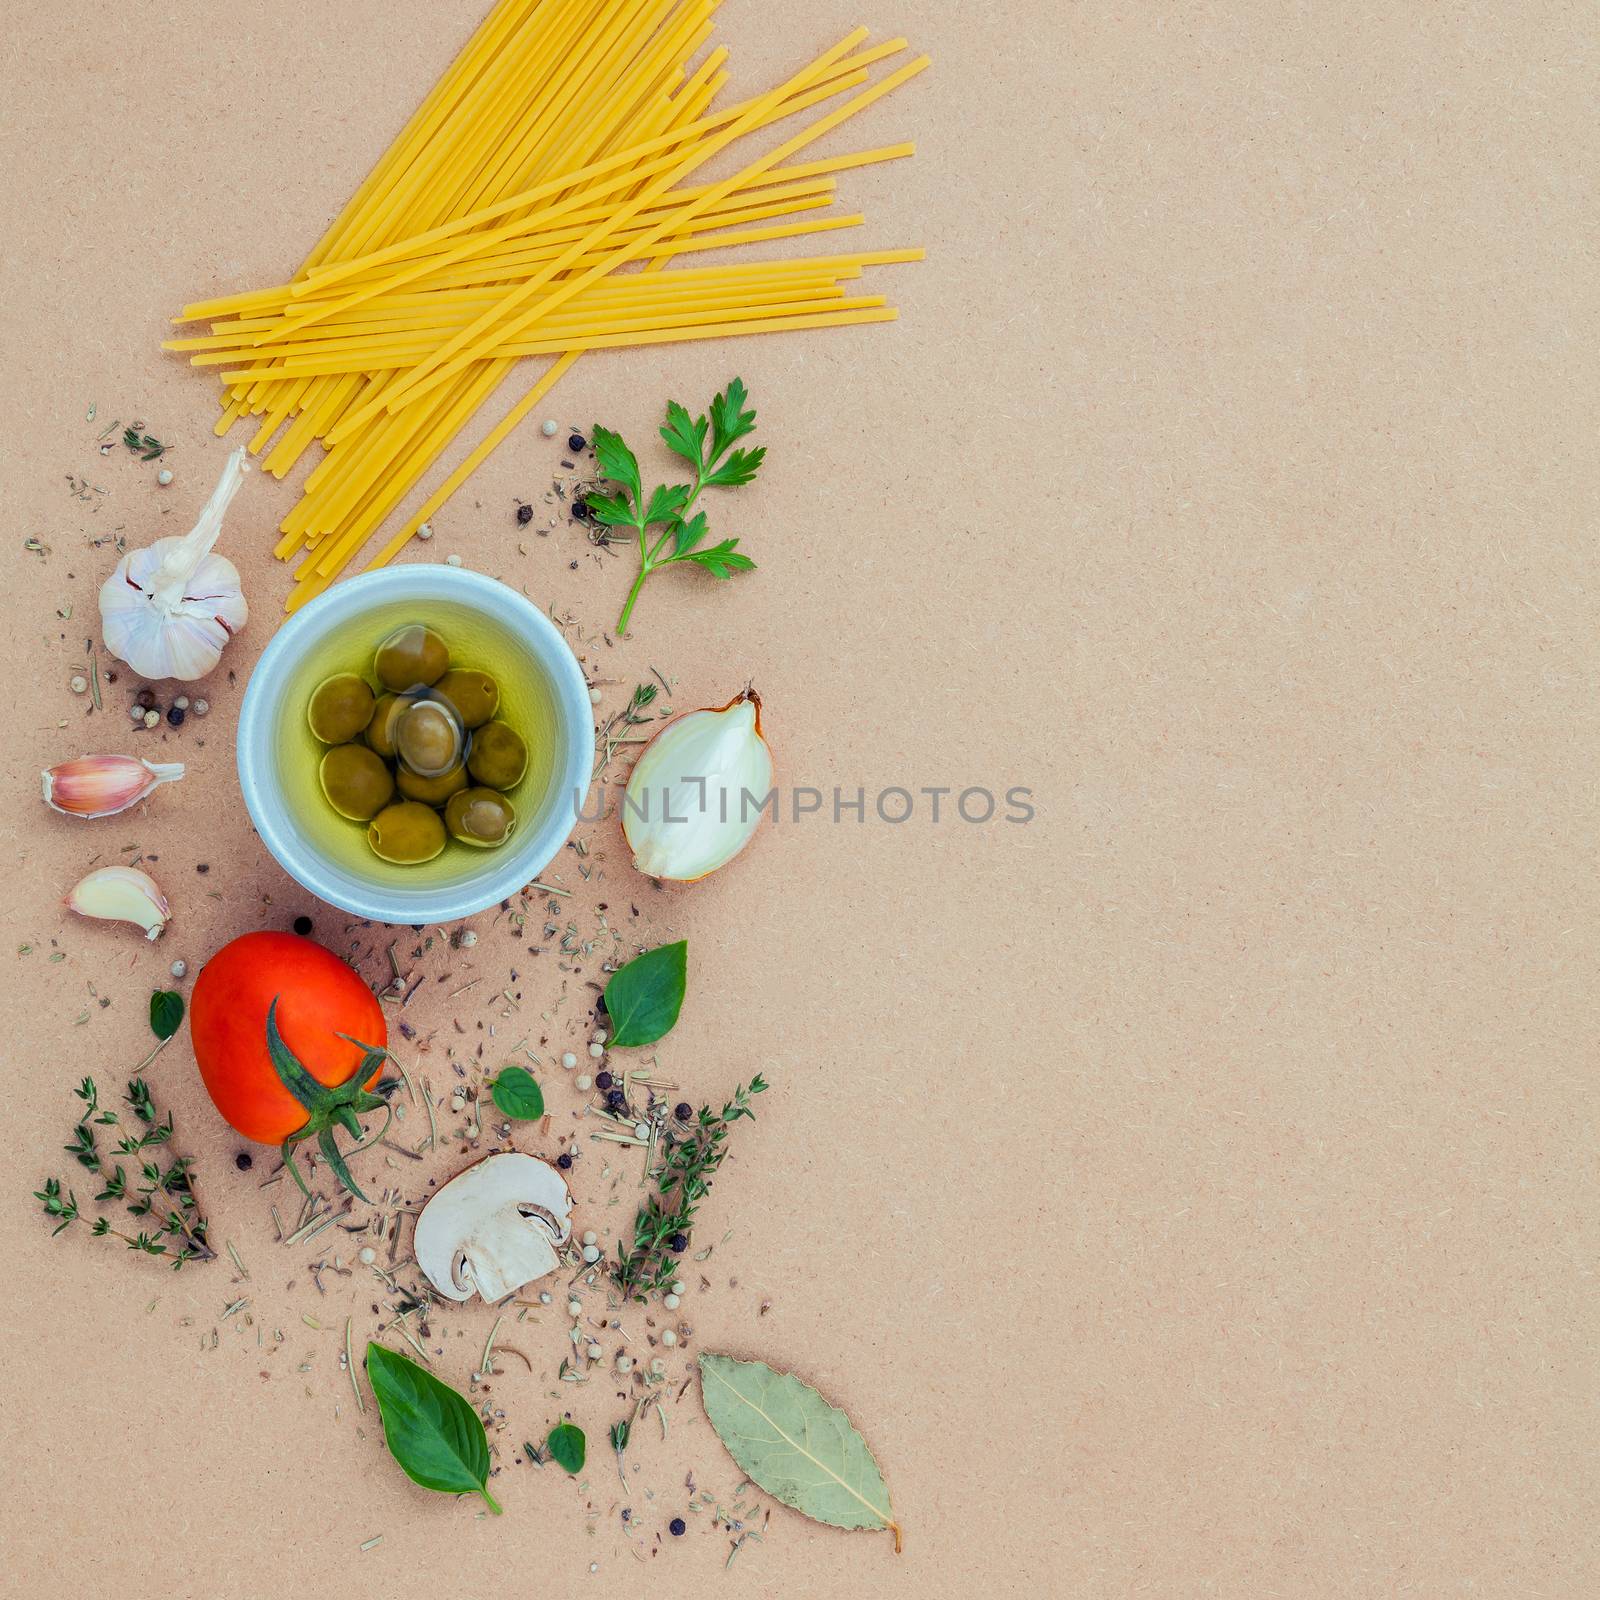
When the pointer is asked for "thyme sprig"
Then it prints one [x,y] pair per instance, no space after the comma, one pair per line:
[661,1230]
[644,694]
[164,1200]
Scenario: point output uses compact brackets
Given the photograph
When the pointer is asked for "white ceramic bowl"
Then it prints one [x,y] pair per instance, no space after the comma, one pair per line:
[544,696]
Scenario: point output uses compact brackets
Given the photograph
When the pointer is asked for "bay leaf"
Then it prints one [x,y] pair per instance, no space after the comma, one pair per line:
[791,1443]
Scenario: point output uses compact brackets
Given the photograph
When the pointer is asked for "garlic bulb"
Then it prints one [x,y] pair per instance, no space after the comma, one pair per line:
[122,894]
[696,795]
[168,610]
[103,786]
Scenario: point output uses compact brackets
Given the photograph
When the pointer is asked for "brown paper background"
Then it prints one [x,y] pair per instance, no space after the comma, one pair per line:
[1189,1193]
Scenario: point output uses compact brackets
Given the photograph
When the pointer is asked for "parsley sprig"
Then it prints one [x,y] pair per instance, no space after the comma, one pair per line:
[708,444]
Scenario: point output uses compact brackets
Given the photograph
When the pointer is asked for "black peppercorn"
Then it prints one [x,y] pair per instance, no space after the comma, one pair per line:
[524,516]
[683,1111]
[677,1527]
[302,926]
[564,1161]
[678,1243]
[175,716]
[244,1161]
[576,442]
[616,1099]
[603,1080]
[580,509]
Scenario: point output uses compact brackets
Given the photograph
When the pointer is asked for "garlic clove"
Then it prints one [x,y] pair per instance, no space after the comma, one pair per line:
[696,796]
[103,786]
[169,610]
[122,894]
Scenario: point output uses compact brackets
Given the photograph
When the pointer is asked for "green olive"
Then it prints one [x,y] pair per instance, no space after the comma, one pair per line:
[431,791]
[407,833]
[340,708]
[356,781]
[410,657]
[428,739]
[498,757]
[385,719]
[480,817]
[474,694]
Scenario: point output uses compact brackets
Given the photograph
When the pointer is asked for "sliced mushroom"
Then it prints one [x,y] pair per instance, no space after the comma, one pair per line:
[494,1227]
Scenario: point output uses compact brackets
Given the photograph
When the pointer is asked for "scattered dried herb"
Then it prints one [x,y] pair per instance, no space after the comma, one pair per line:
[142,444]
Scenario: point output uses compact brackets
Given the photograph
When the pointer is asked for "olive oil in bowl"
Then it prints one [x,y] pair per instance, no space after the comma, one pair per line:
[485,625]
[526,703]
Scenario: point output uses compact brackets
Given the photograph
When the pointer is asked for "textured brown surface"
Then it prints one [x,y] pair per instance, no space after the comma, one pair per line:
[1190,1193]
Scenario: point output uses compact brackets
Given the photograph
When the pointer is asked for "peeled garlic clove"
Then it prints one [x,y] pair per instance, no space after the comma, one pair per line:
[101,786]
[696,795]
[168,610]
[122,894]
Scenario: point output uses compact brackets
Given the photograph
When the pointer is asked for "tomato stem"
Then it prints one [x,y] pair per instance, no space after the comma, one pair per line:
[326,1105]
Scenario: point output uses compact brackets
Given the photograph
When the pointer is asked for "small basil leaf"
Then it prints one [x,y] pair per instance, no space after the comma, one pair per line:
[430,1430]
[643,998]
[166,1013]
[517,1095]
[567,1446]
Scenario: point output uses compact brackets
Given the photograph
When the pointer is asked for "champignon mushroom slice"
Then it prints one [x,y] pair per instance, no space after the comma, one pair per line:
[494,1227]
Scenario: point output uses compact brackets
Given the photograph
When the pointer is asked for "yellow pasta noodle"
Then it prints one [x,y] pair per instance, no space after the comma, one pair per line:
[535,206]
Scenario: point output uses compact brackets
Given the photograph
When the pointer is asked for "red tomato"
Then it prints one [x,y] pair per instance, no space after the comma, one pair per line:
[318,996]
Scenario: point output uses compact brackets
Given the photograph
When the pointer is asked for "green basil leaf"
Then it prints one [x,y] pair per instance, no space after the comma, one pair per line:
[567,1446]
[643,998]
[430,1430]
[518,1095]
[790,1442]
[166,1013]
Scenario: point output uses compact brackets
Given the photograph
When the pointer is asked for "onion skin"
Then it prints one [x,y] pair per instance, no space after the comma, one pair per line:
[644,847]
